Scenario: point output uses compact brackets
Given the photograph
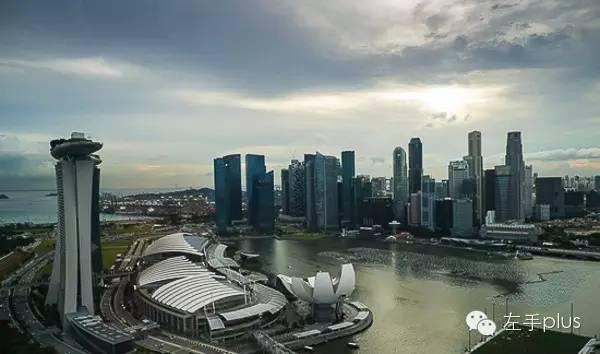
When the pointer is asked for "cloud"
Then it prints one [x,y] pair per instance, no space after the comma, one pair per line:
[86,67]
[565,154]
[377,160]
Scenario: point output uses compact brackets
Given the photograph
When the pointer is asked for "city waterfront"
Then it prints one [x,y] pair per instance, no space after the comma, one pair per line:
[420,295]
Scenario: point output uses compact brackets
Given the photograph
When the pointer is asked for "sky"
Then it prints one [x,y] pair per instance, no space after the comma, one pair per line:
[169,85]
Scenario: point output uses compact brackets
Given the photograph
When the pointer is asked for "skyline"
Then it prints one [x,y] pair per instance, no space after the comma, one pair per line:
[186,82]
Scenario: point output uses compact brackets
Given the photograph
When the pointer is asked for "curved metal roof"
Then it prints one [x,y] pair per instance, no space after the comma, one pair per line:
[322,289]
[192,293]
[170,269]
[270,300]
[178,243]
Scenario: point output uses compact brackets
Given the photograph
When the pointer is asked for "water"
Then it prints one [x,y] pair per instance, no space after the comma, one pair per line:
[38,208]
[420,295]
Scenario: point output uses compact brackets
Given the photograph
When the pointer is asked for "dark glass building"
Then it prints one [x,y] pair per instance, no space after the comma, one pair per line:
[285,191]
[228,190]
[363,190]
[503,193]
[348,172]
[514,160]
[297,193]
[550,191]
[489,191]
[443,216]
[377,211]
[255,168]
[415,165]
[309,188]
[263,202]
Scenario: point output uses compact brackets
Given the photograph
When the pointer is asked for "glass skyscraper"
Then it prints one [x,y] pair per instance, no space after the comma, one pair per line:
[415,165]
[228,190]
[255,168]
[348,172]
[400,184]
[326,173]
[263,200]
[514,160]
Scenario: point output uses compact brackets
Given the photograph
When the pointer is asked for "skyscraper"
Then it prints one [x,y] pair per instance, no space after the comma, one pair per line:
[475,160]
[550,191]
[528,192]
[363,190]
[489,190]
[503,194]
[309,188]
[326,173]
[263,202]
[76,272]
[255,168]
[428,203]
[458,174]
[400,181]
[514,160]
[285,191]
[228,190]
[348,172]
[597,183]
[415,165]
[297,194]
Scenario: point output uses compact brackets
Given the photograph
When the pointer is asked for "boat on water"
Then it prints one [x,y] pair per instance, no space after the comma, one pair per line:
[353,345]
[308,348]
[523,256]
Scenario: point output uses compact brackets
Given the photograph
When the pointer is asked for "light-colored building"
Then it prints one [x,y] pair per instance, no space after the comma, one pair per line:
[458,173]
[75,270]
[327,170]
[514,232]
[475,160]
[400,182]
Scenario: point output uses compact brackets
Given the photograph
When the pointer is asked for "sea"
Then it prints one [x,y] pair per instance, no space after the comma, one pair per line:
[39,207]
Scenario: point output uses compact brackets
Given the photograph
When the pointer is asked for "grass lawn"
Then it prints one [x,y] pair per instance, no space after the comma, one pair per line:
[535,342]
[110,250]
[44,247]
[12,262]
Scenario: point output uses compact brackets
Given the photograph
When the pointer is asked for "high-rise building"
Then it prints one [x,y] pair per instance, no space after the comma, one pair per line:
[514,160]
[297,193]
[326,191]
[414,209]
[263,202]
[475,160]
[441,189]
[363,190]
[76,270]
[309,188]
[503,193]
[443,216]
[528,191]
[400,182]
[255,168]
[458,173]
[415,165]
[348,173]
[428,203]
[597,183]
[285,191]
[489,190]
[379,187]
[462,218]
[550,191]
[228,190]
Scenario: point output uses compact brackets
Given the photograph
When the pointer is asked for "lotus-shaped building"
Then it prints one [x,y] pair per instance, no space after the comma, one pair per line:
[322,291]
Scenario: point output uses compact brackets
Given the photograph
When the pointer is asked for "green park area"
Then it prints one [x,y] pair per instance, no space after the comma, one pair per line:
[533,342]
[110,249]
[11,262]
[44,247]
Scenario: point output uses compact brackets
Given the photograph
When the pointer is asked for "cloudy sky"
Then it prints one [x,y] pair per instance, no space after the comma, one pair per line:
[169,85]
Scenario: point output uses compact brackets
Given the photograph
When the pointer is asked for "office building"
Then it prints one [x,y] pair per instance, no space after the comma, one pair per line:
[597,183]
[363,190]
[458,174]
[514,160]
[528,191]
[400,184]
[574,204]
[489,190]
[376,211]
[77,266]
[380,187]
[255,168]
[263,202]
[309,188]
[443,216]
[326,173]
[441,189]
[414,209]
[462,218]
[428,203]
[502,194]
[415,165]
[549,191]
[475,160]
[513,232]
[348,173]
[228,190]
[297,193]
[285,191]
